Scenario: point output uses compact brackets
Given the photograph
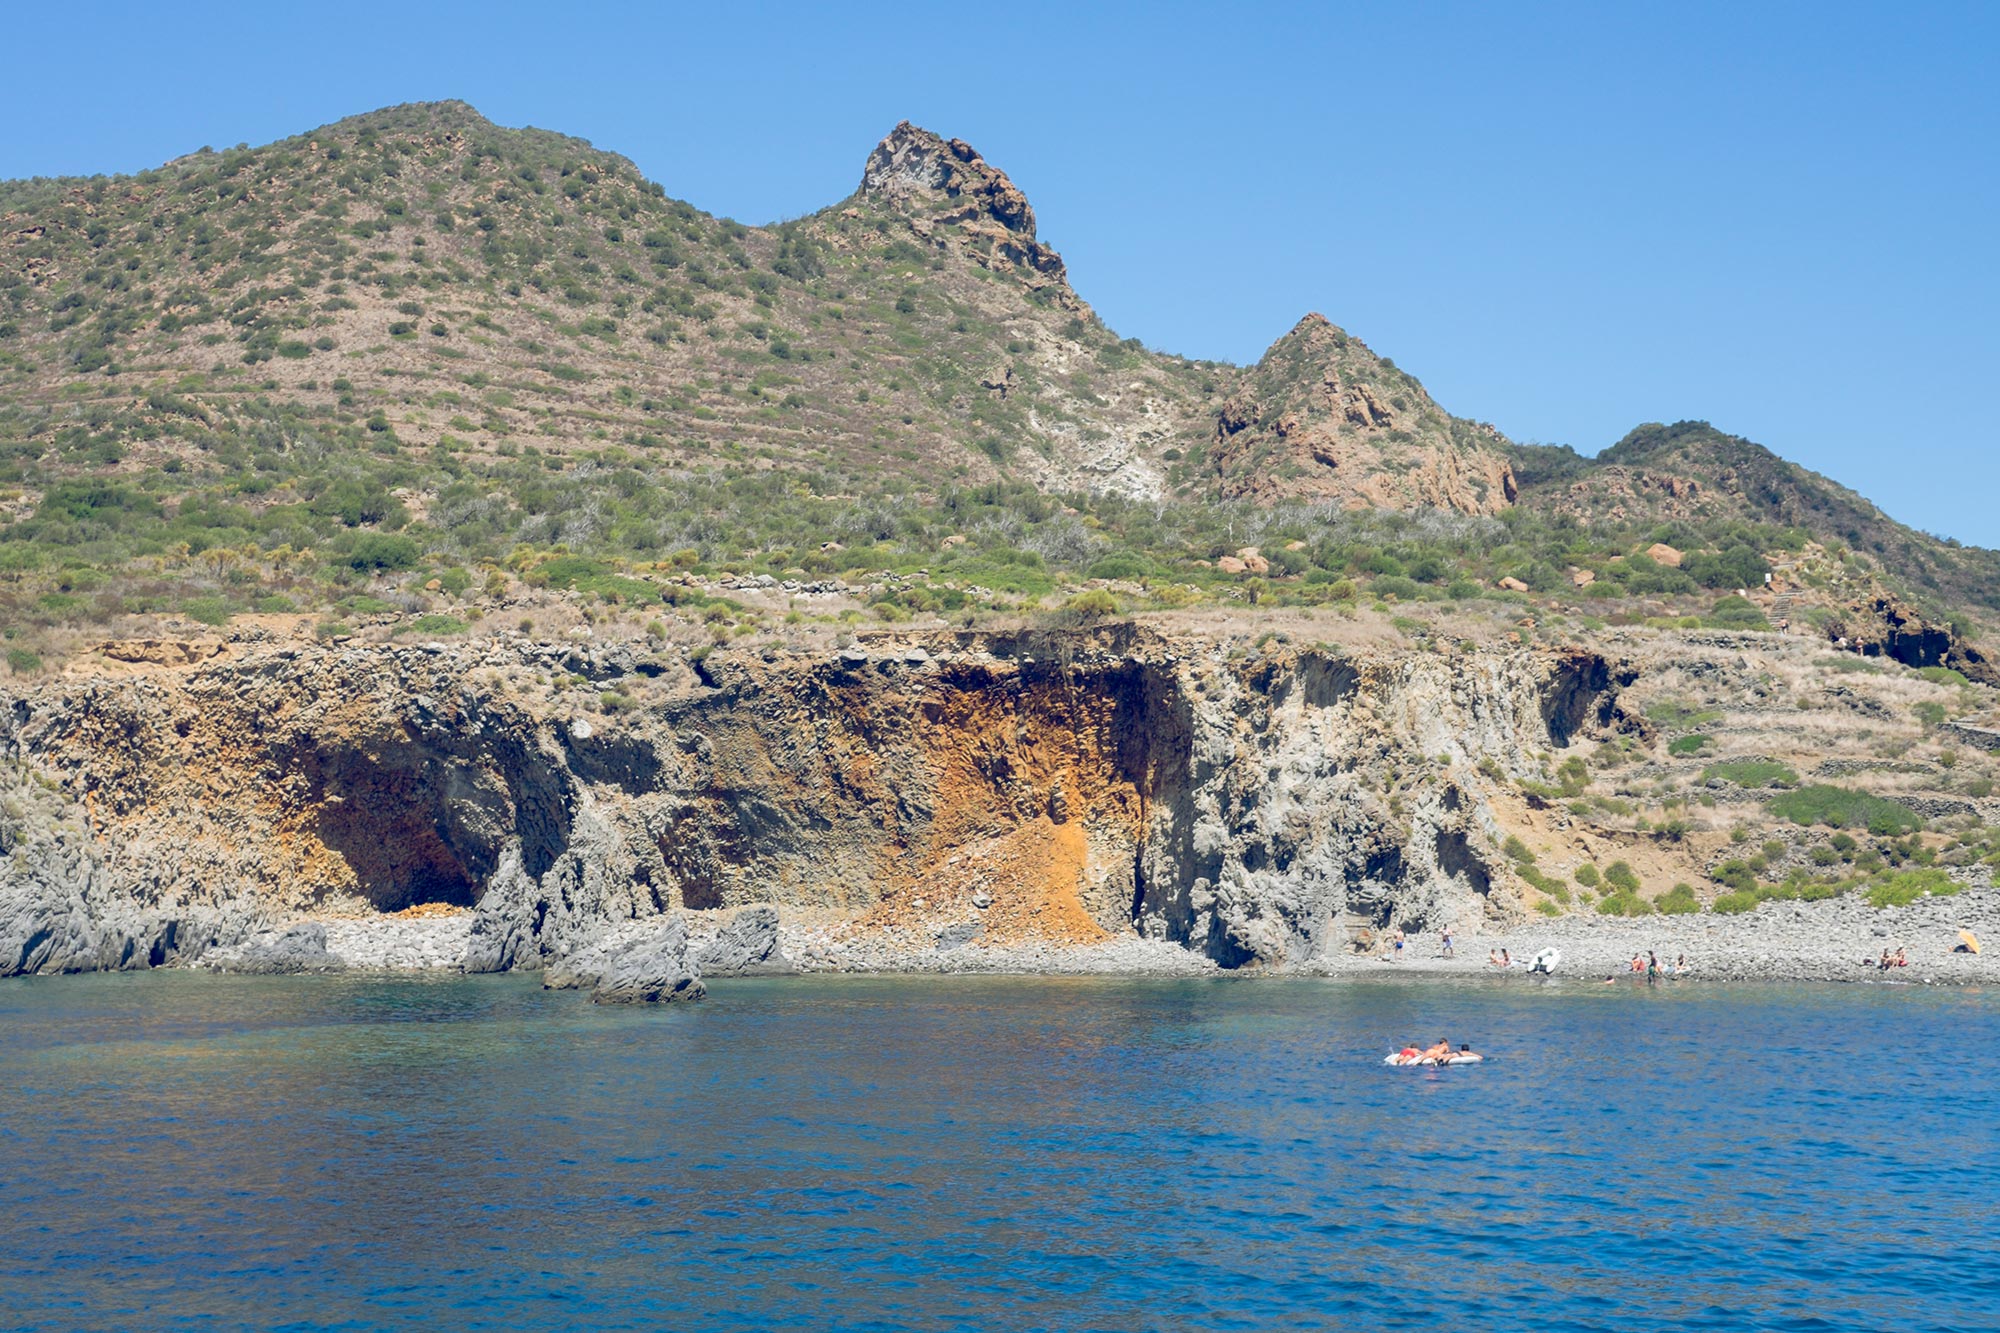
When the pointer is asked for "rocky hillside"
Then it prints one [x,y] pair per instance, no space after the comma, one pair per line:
[412,370]
[1690,473]
[438,282]
[1321,416]
[421,522]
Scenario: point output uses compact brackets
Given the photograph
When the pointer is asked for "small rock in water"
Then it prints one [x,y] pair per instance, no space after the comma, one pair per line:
[653,970]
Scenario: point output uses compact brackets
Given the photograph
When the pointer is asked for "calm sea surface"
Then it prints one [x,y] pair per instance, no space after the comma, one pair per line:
[202,1152]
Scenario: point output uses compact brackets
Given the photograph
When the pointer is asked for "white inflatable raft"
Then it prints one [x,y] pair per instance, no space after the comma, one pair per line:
[1393,1059]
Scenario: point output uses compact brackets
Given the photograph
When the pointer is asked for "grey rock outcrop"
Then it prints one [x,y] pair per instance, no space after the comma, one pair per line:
[523,921]
[510,913]
[61,910]
[1280,810]
[298,948]
[651,974]
[647,963]
[746,946]
[45,924]
[958,934]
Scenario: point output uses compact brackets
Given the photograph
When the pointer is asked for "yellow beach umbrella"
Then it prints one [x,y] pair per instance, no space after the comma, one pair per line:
[1971,940]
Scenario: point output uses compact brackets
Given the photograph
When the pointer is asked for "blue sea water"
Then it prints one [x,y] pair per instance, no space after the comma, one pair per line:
[941,1153]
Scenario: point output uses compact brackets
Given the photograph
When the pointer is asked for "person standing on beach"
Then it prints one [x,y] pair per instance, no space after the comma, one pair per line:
[1399,947]
[1447,942]
[1652,968]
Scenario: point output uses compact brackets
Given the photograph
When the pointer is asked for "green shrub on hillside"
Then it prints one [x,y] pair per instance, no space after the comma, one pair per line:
[1737,613]
[1906,886]
[1095,604]
[1677,901]
[1122,565]
[1843,807]
[1546,884]
[1738,567]
[1735,875]
[207,610]
[1623,904]
[377,550]
[1752,773]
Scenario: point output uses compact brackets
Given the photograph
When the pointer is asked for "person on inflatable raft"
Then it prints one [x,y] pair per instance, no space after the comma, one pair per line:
[1440,1054]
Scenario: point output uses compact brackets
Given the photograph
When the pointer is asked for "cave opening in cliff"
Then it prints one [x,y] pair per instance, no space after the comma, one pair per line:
[413,827]
[1456,858]
[398,857]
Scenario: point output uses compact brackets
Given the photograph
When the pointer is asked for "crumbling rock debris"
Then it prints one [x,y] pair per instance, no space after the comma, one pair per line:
[160,652]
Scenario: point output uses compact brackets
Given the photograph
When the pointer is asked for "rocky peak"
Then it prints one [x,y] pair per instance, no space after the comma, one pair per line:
[946,178]
[956,199]
[1322,417]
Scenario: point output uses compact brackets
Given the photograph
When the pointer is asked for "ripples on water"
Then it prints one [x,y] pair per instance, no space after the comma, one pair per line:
[999,1153]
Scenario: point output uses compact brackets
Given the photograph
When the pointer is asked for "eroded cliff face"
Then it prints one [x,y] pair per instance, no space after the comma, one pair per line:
[1062,788]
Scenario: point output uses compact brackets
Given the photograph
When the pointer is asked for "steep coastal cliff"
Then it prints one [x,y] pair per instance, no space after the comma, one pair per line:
[1060,787]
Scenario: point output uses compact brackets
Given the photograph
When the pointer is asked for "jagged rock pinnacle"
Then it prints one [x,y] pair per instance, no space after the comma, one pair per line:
[955,198]
[912,163]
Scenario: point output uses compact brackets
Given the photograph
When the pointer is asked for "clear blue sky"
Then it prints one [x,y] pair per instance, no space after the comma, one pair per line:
[1566,219]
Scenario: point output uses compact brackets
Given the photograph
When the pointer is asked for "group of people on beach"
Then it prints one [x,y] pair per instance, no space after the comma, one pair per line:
[1648,965]
[1887,960]
[1447,946]
[1438,1054]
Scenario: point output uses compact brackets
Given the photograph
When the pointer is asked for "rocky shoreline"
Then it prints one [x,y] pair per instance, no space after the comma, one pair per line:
[1112,802]
[1779,941]
[1833,940]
